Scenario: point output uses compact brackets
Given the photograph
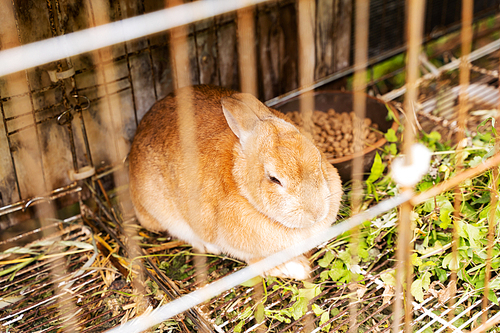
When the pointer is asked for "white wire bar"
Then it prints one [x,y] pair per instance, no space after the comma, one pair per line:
[38,53]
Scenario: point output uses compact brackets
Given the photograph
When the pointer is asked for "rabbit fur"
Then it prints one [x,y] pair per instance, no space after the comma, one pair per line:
[260,184]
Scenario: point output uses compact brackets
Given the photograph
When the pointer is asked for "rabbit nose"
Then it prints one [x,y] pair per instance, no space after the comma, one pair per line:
[308,219]
[318,213]
[311,217]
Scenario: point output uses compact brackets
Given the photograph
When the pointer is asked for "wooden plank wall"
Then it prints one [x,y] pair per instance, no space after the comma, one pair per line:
[123,81]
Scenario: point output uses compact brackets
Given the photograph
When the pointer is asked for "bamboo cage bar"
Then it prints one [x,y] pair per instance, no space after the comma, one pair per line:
[305,21]
[247,61]
[306,29]
[404,268]
[464,80]
[359,108]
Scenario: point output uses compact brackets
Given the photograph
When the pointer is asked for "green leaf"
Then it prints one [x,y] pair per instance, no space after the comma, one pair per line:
[441,274]
[426,264]
[425,186]
[485,212]
[444,214]
[309,285]
[391,135]
[467,210]
[388,279]
[299,308]
[416,260]
[370,189]
[363,251]
[445,169]
[426,280]
[376,170]
[336,275]
[484,198]
[326,260]
[478,279]
[278,316]
[239,327]
[246,313]
[434,136]
[460,228]
[437,245]
[429,205]
[252,282]
[317,310]
[325,316]
[393,150]
[493,129]
[373,191]
[451,262]
[338,271]
[304,296]
[310,291]
[428,330]
[475,161]
[495,262]
[345,257]
[419,285]
[417,291]
[493,297]
[495,284]
[474,235]
[391,115]
[259,313]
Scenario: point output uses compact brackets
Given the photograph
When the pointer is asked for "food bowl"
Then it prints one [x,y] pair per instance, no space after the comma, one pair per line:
[342,102]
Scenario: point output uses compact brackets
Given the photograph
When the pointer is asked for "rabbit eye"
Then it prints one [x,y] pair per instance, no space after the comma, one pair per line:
[275,180]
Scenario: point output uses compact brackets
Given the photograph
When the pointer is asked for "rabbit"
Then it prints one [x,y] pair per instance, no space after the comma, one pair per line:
[261,185]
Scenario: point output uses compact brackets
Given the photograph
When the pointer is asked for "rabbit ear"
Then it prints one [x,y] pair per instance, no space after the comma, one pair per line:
[242,112]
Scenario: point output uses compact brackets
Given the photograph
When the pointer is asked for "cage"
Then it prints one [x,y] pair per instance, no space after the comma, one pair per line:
[76,78]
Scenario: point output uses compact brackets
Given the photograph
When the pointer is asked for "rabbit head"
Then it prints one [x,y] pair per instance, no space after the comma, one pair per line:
[277,169]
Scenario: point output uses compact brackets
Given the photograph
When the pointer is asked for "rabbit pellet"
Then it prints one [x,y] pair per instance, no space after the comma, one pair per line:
[333,132]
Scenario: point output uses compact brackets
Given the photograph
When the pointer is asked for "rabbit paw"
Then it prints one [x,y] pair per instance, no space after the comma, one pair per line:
[212,249]
[298,268]
[202,247]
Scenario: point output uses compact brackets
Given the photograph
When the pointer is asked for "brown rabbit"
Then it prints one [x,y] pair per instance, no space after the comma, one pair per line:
[262,185]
